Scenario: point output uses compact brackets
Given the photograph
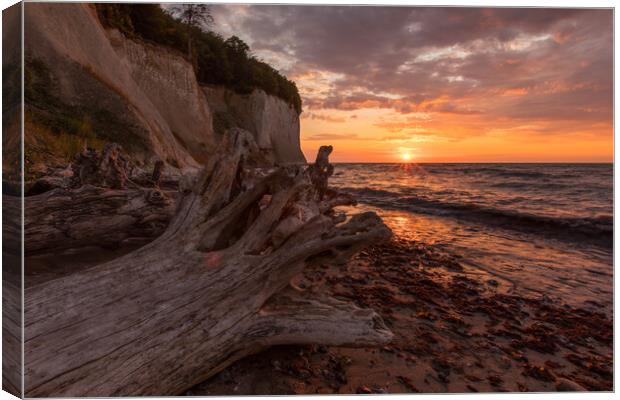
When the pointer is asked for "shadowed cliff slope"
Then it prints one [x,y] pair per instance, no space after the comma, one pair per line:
[86,83]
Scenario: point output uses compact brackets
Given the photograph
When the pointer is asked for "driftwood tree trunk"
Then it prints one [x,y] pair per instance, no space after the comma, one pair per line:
[213,288]
[64,219]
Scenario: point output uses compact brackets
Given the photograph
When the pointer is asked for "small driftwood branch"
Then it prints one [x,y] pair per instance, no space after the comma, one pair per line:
[321,170]
[158,169]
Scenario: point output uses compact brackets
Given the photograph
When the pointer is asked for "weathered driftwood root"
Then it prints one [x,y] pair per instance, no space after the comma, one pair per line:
[92,205]
[213,288]
[110,168]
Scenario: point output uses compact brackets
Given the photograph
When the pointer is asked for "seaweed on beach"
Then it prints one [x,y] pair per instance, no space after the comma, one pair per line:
[454,332]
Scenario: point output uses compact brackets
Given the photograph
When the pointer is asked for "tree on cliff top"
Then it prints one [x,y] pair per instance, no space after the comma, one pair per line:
[216,61]
[195,16]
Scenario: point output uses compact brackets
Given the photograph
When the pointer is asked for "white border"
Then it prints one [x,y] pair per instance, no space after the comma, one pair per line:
[506,3]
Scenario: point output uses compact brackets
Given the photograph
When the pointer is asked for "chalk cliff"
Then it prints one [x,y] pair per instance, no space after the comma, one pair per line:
[169,82]
[149,94]
[274,123]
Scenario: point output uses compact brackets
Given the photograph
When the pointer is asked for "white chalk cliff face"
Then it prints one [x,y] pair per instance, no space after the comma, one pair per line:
[169,82]
[273,122]
[151,89]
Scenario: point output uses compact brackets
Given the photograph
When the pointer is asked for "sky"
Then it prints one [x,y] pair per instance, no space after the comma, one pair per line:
[393,84]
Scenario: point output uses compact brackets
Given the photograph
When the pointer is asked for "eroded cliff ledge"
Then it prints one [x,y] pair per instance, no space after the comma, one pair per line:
[274,124]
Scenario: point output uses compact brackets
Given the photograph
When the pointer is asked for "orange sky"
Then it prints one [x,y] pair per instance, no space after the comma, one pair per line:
[453,138]
[382,84]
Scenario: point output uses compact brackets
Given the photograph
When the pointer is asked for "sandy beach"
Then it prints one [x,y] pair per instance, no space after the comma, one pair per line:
[453,333]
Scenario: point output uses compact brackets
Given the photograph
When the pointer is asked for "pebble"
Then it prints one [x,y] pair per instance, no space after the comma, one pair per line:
[566,385]
[379,390]
[363,390]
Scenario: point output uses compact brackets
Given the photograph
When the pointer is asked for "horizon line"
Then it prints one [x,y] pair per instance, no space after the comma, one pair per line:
[474,162]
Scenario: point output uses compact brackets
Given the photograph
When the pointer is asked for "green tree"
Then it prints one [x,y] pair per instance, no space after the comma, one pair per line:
[238,46]
[216,60]
[197,17]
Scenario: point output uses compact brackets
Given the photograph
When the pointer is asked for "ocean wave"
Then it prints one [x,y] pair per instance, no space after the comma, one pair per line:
[598,229]
[529,185]
[512,173]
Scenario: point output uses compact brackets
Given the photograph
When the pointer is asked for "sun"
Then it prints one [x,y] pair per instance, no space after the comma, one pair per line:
[406,156]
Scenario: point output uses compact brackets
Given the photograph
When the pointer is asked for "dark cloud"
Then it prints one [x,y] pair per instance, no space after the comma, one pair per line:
[333,136]
[537,63]
[323,117]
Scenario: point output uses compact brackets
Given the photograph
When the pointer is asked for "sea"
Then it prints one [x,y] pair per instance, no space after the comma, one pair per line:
[541,230]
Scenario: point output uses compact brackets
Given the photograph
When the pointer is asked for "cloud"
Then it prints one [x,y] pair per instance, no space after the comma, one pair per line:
[399,126]
[323,117]
[333,136]
[498,64]
[411,138]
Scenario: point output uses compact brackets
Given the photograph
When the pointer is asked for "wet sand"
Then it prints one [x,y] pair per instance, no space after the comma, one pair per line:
[454,332]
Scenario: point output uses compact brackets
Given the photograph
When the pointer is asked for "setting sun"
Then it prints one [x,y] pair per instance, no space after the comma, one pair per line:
[406,156]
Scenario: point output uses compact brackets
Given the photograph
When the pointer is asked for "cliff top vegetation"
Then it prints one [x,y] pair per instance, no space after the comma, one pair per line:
[216,60]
